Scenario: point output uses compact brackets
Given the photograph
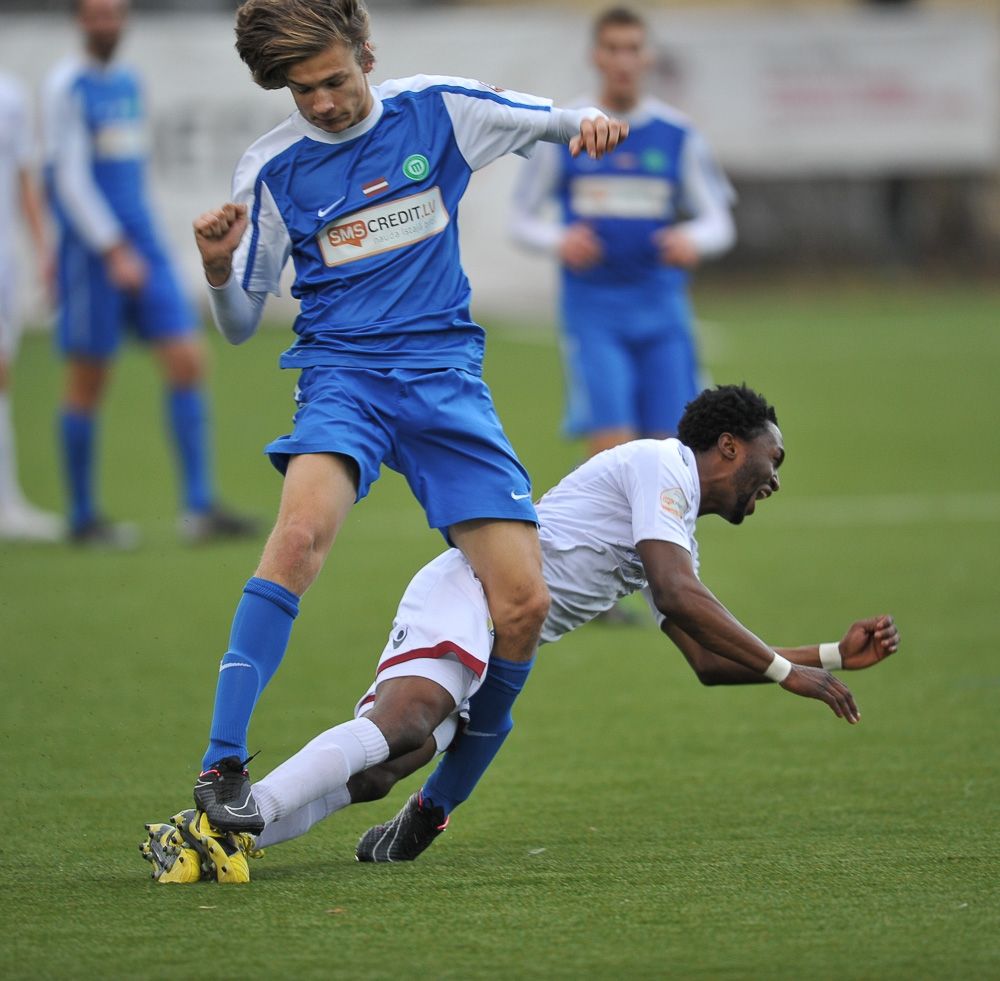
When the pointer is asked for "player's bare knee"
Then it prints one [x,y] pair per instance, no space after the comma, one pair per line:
[407,728]
[371,784]
[522,611]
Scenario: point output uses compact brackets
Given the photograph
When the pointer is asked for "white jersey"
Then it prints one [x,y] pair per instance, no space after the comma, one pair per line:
[593,519]
[16,153]
[591,523]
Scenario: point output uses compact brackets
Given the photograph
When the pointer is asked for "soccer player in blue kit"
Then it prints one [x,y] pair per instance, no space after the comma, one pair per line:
[360,187]
[112,271]
[631,228]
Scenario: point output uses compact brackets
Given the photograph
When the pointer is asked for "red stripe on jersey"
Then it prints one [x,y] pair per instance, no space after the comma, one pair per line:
[438,650]
[367,700]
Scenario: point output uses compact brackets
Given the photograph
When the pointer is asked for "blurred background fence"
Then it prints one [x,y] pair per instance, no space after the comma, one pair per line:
[859,137]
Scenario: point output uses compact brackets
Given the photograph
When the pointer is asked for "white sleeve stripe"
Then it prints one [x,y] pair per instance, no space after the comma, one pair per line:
[419,84]
[490,95]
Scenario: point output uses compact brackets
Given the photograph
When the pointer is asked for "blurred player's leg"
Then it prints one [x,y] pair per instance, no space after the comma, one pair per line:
[18,519]
[86,380]
[166,319]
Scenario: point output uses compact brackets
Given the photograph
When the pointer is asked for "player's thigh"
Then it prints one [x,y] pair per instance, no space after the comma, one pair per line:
[91,312]
[452,450]
[507,559]
[669,380]
[601,381]
[318,493]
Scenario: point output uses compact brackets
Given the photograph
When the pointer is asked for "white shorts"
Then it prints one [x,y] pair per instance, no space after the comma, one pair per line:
[442,632]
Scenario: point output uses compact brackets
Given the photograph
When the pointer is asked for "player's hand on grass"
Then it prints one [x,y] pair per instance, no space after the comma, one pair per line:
[817,683]
[126,268]
[217,234]
[869,641]
[580,247]
[598,137]
[676,248]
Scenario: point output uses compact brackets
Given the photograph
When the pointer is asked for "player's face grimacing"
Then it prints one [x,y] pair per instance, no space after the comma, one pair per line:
[757,476]
[330,88]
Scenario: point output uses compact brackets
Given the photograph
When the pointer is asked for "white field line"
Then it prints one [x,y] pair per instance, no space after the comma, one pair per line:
[887,509]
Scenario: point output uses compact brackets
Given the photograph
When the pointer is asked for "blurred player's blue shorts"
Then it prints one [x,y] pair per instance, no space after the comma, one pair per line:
[628,366]
[438,428]
[94,314]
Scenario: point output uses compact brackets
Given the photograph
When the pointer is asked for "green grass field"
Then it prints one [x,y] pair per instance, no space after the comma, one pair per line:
[636,825]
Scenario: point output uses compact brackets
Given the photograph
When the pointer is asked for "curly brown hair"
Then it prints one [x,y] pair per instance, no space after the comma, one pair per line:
[273,35]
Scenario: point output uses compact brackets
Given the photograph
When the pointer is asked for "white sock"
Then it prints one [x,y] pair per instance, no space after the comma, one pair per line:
[10,491]
[300,821]
[320,767]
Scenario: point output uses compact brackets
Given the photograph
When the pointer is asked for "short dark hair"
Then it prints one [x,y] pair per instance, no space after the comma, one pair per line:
[734,409]
[616,17]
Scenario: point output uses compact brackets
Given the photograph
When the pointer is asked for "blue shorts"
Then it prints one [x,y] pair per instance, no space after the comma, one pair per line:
[437,428]
[626,371]
[93,313]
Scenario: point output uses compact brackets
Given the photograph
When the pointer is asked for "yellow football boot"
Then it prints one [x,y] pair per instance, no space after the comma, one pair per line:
[173,860]
[225,852]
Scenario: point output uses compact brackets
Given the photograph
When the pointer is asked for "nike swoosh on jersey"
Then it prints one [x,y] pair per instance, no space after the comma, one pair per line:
[242,811]
[520,497]
[323,212]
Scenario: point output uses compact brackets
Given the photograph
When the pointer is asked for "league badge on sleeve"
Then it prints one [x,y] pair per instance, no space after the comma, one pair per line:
[673,501]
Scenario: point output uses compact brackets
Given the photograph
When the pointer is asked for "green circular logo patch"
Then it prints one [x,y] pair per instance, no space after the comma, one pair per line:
[416,166]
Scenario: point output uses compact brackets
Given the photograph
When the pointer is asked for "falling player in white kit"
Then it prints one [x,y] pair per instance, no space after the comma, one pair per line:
[624,521]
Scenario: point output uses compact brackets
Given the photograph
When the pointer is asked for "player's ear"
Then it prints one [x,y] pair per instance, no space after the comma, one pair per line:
[367,57]
[728,446]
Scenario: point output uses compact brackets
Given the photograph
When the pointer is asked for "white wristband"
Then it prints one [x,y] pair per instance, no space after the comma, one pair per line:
[778,669]
[829,656]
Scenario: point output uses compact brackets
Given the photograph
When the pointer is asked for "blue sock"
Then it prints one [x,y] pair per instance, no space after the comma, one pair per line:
[189,424]
[490,721]
[257,642]
[77,430]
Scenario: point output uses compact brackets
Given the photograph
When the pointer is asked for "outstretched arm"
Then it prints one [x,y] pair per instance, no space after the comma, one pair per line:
[866,643]
[684,600]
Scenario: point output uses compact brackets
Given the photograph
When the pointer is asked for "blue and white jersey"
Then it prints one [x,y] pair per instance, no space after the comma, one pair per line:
[663,175]
[369,217]
[94,133]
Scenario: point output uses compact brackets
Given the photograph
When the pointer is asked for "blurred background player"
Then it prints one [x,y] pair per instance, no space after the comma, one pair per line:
[18,519]
[632,227]
[112,270]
